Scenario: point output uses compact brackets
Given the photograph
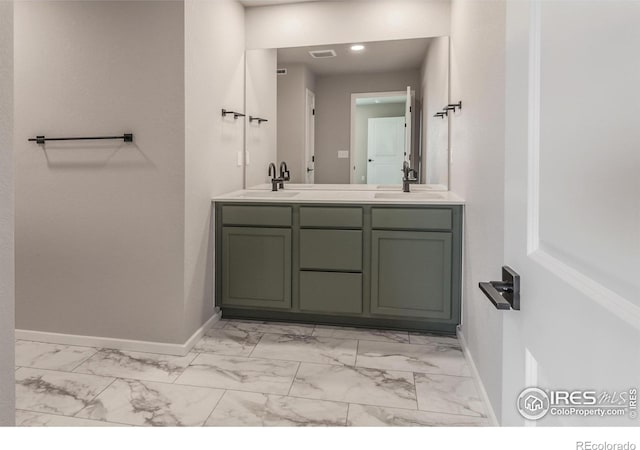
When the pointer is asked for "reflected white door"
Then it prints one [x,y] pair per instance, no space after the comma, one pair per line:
[310,129]
[572,209]
[385,150]
[408,115]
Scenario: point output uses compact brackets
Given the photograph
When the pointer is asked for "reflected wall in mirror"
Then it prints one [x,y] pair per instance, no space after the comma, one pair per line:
[347,113]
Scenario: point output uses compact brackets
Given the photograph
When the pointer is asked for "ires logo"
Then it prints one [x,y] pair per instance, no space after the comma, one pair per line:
[573,398]
[534,403]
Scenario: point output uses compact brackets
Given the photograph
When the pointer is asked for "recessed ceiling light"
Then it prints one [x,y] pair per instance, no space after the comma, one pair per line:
[357,47]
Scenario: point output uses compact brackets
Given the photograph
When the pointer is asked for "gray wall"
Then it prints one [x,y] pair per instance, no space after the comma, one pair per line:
[291,118]
[261,101]
[214,79]
[478,146]
[333,116]
[435,96]
[361,141]
[100,226]
[7,390]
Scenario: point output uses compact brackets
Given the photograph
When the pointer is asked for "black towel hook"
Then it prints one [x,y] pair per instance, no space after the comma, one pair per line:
[226,112]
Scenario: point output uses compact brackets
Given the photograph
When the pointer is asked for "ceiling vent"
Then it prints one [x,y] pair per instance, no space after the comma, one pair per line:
[323,53]
[281,71]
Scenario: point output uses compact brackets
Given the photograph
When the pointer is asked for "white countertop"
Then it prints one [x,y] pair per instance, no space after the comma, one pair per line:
[292,194]
[351,187]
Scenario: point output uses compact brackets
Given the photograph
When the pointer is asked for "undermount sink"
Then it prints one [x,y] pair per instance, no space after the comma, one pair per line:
[269,194]
[409,195]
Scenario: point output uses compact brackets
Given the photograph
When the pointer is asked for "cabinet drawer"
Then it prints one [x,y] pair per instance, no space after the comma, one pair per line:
[331,250]
[411,218]
[331,217]
[274,216]
[331,292]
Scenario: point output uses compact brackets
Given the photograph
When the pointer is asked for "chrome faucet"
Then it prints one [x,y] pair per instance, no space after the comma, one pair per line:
[410,176]
[285,175]
[275,180]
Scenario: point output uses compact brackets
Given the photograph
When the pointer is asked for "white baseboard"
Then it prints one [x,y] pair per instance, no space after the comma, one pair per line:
[195,337]
[164,348]
[476,376]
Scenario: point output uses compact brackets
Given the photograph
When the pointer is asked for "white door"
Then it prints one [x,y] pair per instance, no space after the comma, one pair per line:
[385,150]
[572,208]
[310,129]
[408,120]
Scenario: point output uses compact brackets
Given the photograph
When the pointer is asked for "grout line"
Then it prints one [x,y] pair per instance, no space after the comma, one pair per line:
[383,406]
[168,383]
[262,358]
[71,417]
[234,389]
[93,399]
[457,414]
[204,424]
[67,372]
[185,369]
[85,360]
[346,422]
[415,390]
[257,343]
[293,380]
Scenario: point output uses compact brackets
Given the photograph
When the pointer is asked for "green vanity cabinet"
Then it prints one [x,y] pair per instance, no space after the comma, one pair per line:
[257,264]
[385,266]
[411,274]
[256,256]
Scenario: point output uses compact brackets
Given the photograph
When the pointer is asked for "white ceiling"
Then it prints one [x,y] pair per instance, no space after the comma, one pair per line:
[382,56]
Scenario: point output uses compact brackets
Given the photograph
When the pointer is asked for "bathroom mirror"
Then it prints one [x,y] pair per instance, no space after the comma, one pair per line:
[349,113]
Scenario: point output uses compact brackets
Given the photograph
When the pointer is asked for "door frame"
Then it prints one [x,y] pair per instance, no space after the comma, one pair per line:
[309,133]
[352,127]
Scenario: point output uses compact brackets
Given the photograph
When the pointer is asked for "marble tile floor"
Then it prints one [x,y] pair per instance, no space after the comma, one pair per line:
[251,373]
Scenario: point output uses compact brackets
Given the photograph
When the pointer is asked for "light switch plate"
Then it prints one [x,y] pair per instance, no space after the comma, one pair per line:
[240,158]
[343,154]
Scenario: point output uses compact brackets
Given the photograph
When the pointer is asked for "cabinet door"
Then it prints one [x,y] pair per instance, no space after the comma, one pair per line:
[411,274]
[256,267]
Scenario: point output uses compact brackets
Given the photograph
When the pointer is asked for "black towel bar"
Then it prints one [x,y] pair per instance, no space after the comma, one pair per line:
[127,137]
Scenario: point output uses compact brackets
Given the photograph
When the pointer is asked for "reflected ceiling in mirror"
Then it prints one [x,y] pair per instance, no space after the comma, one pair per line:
[375,57]
[350,113]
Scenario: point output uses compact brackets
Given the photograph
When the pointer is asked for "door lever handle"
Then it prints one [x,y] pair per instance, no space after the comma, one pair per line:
[503,294]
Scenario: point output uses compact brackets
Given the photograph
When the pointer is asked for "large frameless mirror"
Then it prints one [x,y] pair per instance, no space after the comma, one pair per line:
[349,113]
